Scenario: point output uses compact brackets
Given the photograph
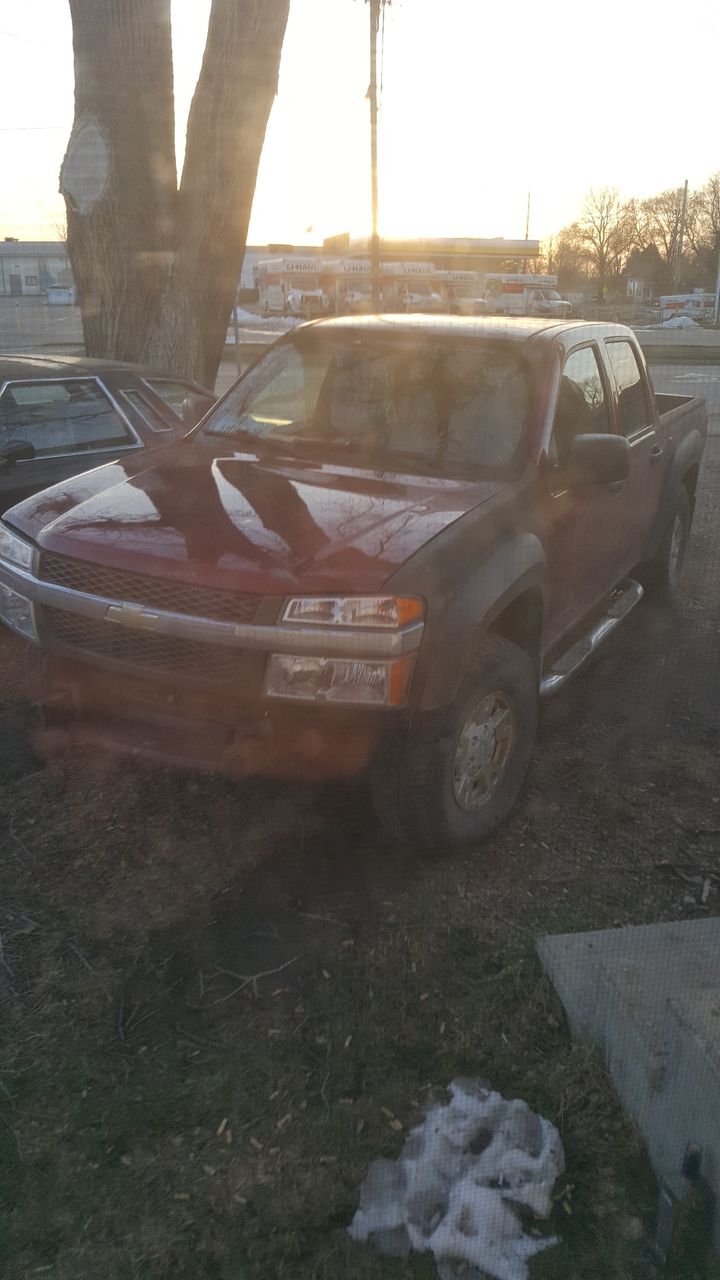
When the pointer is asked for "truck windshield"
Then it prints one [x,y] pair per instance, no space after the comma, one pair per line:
[444,404]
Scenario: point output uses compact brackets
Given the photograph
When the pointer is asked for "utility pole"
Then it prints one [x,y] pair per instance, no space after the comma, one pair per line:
[527,229]
[718,288]
[376,280]
[680,241]
[236,332]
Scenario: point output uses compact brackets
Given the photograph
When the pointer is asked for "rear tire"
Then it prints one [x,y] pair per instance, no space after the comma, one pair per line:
[450,780]
[661,575]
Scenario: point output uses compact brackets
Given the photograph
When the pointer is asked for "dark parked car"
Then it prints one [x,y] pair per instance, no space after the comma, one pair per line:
[60,415]
[377,550]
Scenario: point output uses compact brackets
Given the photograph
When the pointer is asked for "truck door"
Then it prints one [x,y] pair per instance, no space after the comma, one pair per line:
[583,521]
[636,421]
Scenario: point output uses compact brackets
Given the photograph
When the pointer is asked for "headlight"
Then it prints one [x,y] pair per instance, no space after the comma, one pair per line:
[15,550]
[378,684]
[354,611]
[17,612]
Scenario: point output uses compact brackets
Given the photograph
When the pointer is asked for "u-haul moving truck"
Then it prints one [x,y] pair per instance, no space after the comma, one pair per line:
[698,305]
[525,295]
[461,293]
[280,277]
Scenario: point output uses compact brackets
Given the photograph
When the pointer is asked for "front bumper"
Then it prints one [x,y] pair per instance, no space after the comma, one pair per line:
[86,711]
[189,690]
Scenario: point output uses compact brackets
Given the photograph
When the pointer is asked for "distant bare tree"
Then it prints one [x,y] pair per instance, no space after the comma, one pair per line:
[643,236]
[155,262]
[548,255]
[663,215]
[709,204]
[673,237]
[637,224]
[563,256]
[704,233]
[604,234]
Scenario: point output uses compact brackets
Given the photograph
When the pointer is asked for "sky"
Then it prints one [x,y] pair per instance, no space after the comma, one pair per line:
[482,102]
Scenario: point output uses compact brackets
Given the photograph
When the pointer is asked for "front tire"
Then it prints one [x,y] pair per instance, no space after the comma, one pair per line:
[452,779]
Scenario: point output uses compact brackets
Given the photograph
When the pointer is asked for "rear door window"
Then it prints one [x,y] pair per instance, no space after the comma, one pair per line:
[633,407]
[146,411]
[62,416]
[174,393]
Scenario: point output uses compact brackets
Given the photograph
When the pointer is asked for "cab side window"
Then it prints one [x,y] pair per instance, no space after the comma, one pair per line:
[581,404]
[634,412]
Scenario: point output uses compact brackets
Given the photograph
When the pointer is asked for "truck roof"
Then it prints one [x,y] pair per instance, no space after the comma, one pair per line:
[514,328]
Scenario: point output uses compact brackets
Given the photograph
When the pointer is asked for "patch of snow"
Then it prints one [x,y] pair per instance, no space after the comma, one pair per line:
[679,322]
[253,320]
[454,1187]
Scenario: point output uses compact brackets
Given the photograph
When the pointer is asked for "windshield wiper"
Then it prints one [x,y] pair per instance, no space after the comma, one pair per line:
[254,438]
[325,442]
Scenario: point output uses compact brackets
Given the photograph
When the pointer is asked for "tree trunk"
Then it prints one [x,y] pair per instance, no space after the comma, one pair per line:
[155,266]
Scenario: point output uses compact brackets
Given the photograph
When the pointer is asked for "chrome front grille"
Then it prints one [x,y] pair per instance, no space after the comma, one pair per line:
[154,593]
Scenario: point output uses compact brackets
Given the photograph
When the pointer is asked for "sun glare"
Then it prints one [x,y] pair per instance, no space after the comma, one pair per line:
[477,108]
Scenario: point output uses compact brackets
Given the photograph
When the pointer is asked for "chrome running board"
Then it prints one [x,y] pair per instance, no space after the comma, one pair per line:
[618,604]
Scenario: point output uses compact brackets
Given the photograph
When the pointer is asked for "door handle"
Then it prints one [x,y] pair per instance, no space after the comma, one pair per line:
[656,454]
[616,486]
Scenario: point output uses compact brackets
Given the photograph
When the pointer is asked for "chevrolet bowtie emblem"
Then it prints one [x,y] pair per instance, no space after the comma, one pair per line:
[133,616]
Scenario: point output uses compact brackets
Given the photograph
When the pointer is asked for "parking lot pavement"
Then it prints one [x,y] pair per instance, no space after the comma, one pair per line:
[29,324]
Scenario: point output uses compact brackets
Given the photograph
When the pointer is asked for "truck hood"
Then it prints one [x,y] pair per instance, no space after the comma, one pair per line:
[248,521]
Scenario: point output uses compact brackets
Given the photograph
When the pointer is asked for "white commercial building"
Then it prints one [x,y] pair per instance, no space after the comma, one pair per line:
[28,268]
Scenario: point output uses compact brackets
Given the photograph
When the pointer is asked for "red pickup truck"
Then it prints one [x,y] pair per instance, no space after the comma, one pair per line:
[372,555]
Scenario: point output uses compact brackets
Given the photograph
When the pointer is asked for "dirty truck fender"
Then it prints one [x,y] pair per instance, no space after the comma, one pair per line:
[460,607]
[687,455]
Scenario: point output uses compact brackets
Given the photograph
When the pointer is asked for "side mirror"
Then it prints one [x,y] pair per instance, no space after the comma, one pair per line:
[194,408]
[16,451]
[597,459]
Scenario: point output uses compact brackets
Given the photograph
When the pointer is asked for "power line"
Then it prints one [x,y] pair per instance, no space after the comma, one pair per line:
[31,128]
[376,7]
[15,35]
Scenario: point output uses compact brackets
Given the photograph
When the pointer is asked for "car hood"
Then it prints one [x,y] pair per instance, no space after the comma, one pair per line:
[248,521]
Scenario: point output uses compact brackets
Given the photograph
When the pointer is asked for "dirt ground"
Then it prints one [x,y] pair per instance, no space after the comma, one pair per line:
[219,1002]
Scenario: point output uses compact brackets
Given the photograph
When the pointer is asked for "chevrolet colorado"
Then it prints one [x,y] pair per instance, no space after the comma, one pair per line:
[374,554]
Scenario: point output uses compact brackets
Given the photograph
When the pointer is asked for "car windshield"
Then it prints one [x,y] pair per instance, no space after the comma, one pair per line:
[435,402]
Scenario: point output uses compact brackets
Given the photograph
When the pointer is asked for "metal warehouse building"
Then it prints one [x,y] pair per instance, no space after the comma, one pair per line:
[28,268]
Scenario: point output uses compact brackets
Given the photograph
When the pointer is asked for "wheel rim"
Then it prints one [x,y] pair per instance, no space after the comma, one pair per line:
[484,748]
[677,549]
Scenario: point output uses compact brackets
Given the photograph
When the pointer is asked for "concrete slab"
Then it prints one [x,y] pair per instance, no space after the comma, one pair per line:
[649,999]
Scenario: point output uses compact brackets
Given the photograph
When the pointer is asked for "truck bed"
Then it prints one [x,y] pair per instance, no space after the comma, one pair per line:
[668,403]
